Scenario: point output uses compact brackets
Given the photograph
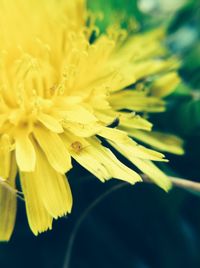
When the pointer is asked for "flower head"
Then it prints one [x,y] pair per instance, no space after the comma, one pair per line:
[60,96]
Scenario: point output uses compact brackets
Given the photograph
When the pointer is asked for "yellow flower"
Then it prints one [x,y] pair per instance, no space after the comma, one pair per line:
[60,95]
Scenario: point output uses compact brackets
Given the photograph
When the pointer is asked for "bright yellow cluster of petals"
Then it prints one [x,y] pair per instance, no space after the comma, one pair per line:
[58,92]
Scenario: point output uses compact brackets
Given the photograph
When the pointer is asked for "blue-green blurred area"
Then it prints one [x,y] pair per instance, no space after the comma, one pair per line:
[136,226]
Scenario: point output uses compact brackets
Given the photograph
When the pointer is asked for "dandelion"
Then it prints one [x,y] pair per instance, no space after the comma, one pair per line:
[60,96]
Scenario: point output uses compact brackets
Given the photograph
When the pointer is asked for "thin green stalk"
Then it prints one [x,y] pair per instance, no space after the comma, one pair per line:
[83,216]
[178,182]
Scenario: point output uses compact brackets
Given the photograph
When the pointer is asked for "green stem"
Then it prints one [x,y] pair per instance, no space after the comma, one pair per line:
[186,184]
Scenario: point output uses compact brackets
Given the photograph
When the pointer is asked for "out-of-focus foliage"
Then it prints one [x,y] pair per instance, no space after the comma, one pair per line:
[184,39]
[118,11]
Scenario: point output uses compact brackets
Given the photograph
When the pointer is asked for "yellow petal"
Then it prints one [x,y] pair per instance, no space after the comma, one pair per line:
[161,141]
[82,130]
[54,149]
[136,101]
[8,204]
[132,121]
[81,154]
[131,149]
[50,122]
[25,154]
[138,45]
[38,217]
[154,173]
[5,155]
[80,115]
[115,168]
[113,134]
[106,116]
[165,85]
[99,160]
[53,188]
[140,157]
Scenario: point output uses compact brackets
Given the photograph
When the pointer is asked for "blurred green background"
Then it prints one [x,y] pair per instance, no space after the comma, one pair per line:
[140,226]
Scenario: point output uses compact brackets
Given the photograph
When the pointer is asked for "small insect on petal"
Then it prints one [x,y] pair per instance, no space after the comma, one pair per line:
[77,146]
